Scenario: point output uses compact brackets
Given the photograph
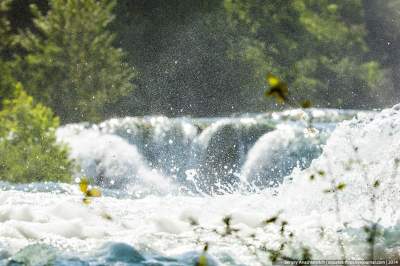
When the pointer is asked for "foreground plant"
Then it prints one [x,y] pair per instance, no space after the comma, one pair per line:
[88,191]
[256,247]
[279,90]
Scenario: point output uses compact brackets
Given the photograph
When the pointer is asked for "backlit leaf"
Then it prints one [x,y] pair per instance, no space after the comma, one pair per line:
[277,89]
[84,184]
[94,192]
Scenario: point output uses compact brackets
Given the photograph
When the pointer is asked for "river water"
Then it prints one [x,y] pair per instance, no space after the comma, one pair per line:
[167,184]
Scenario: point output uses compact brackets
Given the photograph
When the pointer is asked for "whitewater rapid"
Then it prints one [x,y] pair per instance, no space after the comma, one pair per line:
[159,175]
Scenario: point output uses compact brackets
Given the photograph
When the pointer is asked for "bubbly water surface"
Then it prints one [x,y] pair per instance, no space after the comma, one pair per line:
[160,177]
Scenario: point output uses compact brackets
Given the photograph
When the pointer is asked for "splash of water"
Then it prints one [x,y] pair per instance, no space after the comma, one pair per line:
[202,155]
[358,153]
[113,161]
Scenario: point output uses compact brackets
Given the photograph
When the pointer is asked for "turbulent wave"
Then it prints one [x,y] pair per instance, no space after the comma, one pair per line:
[113,162]
[277,153]
[360,156]
[202,155]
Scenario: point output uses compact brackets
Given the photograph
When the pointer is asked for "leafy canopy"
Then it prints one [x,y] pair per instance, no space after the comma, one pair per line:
[28,148]
[317,46]
[6,78]
[71,65]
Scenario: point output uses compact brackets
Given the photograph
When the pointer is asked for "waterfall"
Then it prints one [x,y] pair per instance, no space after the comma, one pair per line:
[208,155]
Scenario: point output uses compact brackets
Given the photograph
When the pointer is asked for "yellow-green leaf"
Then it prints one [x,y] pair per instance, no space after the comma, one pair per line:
[84,184]
[202,260]
[94,192]
[341,186]
[277,89]
[86,200]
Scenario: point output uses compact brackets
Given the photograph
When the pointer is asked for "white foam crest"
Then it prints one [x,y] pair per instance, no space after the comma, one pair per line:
[204,138]
[358,153]
[160,127]
[112,160]
[276,153]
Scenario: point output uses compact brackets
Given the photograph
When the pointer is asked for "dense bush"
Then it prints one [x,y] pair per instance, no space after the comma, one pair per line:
[28,148]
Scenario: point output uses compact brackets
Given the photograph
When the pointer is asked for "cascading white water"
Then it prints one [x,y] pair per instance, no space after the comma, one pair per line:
[114,151]
[276,153]
[166,143]
[358,153]
[113,161]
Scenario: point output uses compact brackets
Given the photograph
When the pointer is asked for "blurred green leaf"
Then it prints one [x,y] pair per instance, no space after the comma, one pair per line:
[341,186]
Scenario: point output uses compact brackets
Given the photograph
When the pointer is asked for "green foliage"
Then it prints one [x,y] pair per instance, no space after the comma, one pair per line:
[381,19]
[194,55]
[317,46]
[71,65]
[4,26]
[201,57]
[6,78]
[383,38]
[28,148]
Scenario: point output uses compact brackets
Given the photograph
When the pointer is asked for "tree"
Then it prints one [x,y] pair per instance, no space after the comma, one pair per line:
[70,63]
[28,148]
[383,37]
[6,78]
[317,46]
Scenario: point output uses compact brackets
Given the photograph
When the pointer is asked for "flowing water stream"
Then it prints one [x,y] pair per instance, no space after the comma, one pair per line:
[158,175]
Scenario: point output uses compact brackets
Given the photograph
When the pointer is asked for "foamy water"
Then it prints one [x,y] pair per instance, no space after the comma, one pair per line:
[145,214]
